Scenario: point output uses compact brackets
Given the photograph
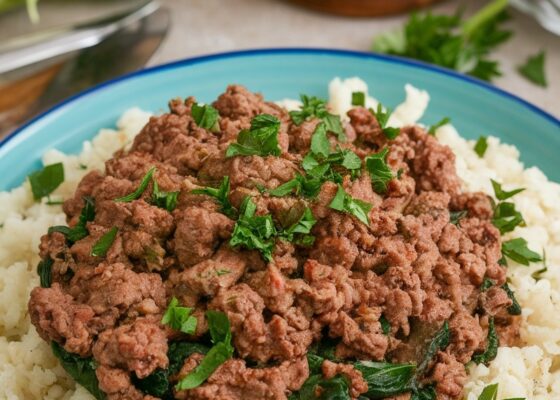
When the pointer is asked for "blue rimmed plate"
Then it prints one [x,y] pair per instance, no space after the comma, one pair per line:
[475,107]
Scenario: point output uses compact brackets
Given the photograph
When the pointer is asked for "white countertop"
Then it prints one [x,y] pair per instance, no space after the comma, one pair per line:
[210,26]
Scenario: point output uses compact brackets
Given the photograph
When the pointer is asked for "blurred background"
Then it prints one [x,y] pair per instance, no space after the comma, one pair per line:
[50,49]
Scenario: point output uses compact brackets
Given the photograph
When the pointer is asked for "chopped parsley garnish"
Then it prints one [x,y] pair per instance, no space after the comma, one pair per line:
[300,231]
[104,243]
[437,125]
[314,107]
[179,318]
[537,275]
[320,144]
[206,116]
[490,392]
[141,188]
[221,196]
[342,201]
[492,344]
[45,181]
[165,200]
[439,342]
[456,216]
[486,284]
[221,351]
[379,171]
[449,41]
[502,194]
[385,325]
[533,69]
[254,232]
[79,231]
[222,272]
[515,308]
[307,186]
[506,217]
[358,99]
[382,118]
[261,139]
[517,250]
[481,146]
[44,270]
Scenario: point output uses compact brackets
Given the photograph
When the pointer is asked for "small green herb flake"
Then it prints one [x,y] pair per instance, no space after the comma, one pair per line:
[439,342]
[261,139]
[533,69]
[515,308]
[222,272]
[342,201]
[320,144]
[206,116]
[179,318]
[382,118]
[481,146]
[492,344]
[141,188]
[502,194]
[45,181]
[486,284]
[490,392]
[221,194]
[385,325]
[314,107]
[44,270]
[506,217]
[537,275]
[254,232]
[456,216]
[165,200]
[517,250]
[379,171]
[301,229]
[358,99]
[102,246]
[436,126]
[79,231]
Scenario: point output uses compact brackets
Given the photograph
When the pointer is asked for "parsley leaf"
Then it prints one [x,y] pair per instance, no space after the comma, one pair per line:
[342,201]
[490,392]
[220,332]
[261,139]
[205,116]
[320,144]
[486,284]
[179,318]
[221,196]
[141,188]
[537,274]
[358,99]
[44,270]
[104,243]
[165,200]
[449,41]
[383,117]
[493,342]
[517,250]
[385,325]
[315,107]
[533,69]
[379,171]
[437,125]
[302,228]
[515,308]
[456,216]
[79,231]
[506,217]
[307,186]
[502,194]
[45,181]
[480,146]
[254,232]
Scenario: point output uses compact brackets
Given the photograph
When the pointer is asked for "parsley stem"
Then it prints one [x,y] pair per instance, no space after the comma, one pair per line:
[485,14]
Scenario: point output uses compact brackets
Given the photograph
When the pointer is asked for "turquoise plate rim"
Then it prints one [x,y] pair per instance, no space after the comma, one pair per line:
[287,50]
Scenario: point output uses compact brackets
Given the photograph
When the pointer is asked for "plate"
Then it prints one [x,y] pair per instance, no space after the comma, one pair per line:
[474,107]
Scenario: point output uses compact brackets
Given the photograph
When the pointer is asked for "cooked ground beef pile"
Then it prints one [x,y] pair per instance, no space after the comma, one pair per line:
[339,267]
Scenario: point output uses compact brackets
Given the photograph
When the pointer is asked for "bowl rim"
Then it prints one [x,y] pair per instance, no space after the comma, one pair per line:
[287,50]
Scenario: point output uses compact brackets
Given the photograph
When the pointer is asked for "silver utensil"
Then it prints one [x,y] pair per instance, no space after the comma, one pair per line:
[48,82]
[546,12]
[27,50]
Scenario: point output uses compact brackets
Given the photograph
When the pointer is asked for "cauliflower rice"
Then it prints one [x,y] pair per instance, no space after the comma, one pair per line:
[28,370]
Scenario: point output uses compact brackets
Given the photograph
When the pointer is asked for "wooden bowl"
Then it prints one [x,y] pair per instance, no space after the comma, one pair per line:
[364,8]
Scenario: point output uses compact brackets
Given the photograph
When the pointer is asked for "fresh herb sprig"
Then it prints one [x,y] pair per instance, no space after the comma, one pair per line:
[78,231]
[314,107]
[342,201]
[382,117]
[206,116]
[450,41]
[179,318]
[221,195]
[261,139]
[379,171]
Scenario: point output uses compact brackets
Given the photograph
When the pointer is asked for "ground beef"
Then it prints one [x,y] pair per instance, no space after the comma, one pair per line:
[371,292]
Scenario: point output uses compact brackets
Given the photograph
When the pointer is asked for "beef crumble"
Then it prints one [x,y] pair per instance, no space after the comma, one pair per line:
[378,291]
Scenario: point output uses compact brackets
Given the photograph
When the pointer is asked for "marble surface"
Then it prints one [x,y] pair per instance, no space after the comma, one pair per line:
[209,26]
